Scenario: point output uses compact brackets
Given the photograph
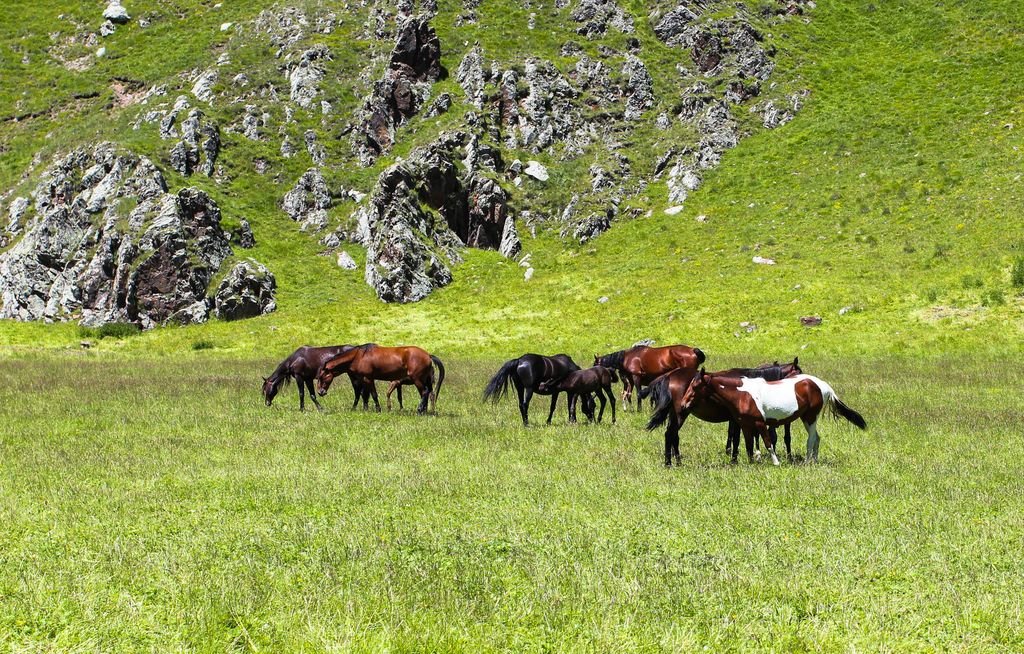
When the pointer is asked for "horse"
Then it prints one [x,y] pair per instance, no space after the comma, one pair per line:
[395,364]
[526,374]
[597,380]
[302,366]
[640,365]
[667,392]
[757,404]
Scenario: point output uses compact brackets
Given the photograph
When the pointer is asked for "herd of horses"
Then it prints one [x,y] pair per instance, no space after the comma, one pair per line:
[753,401]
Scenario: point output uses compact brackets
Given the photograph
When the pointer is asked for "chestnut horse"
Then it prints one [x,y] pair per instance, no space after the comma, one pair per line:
[667,392]
[640,365]
[302,366]
[757,404]
[395,364]
[597,380]
[526,374]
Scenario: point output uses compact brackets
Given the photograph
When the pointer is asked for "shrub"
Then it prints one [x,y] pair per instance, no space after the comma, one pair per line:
[110,330]
[1017,274]
[203,344]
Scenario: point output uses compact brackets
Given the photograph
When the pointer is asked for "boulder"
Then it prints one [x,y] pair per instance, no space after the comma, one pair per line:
[199,146]
[305,76]
[246,239]
[639,88]
[108,243]
[116,13]
[308,201]
[346,262]
[248,291]
[598,15]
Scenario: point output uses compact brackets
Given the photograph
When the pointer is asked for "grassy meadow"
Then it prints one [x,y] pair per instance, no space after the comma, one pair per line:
[158,505]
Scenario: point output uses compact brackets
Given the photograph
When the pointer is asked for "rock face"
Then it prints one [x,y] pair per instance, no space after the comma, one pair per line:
[598,15]
[199,146]
[248,291]
[415,63]
[421,212]
[108,243]
[308,201]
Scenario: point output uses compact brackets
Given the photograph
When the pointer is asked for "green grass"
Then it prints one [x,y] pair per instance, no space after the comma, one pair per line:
[158,505]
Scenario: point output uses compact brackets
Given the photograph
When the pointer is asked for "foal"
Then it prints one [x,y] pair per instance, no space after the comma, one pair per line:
[597,380]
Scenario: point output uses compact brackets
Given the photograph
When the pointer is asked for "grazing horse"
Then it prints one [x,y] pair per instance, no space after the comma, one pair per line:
[395,364]
[640,365]
[597,380]
[757,404]
[302,366]
[667,392]
[526,374]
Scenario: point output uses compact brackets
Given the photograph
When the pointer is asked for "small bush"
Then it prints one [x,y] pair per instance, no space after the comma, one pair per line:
[203,344]
[994,298]
[110,330]
[1017,274]
[971,281]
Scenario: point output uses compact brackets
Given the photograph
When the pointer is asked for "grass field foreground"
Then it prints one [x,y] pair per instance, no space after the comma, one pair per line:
[157,504]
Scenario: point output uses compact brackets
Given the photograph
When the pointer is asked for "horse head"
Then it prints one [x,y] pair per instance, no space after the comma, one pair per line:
[269,390]
[700,388]
[791,369]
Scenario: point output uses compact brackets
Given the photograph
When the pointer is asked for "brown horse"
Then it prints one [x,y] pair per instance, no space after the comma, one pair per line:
[597,380]
[667,393]
[396,364]
[640,365]
[757,404]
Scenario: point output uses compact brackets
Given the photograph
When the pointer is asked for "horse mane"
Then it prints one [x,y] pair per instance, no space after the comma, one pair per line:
[767,372]
[613,360]
[282,375]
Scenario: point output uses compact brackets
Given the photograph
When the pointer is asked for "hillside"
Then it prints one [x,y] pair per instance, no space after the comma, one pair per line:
[888,202]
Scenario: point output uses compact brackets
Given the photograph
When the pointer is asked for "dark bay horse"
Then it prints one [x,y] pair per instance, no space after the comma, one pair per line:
[302,366]
[668,390]
[640,365]
[395,364]
[597,380]
[526,374]
[758,404]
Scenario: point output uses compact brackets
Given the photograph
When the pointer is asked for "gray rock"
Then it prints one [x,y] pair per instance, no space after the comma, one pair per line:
[199,146]
[249,290]
[109,244]
[203,87]
[439,106]
[471,77]
[639,87]
[414,65]
[675,27]
[537,171]
[510,246]
[316,151]
[598,15]
[346,261]
[16,212]
[246,239]
[107,28]
[306,75]
[308,201]
[116,13]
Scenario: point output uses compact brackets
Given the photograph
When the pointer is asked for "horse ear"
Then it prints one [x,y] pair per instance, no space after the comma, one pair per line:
[264,379]
[795,359]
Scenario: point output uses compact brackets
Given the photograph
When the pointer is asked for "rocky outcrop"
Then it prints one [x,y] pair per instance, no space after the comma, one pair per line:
[248,291]
[308,201]
[639,88]
[415,63]
[305,76]
[108,243]
[598,15]
[199,146]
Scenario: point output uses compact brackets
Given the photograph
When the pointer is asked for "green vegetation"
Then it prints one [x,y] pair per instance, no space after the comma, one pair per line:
[158,505]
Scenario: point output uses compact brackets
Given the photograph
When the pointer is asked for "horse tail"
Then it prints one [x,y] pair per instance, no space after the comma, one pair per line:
[838,407]
[440,375]
[662,397]
[701,357]
[498,386]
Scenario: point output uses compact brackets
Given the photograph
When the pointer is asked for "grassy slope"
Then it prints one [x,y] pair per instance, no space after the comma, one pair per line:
[893,192]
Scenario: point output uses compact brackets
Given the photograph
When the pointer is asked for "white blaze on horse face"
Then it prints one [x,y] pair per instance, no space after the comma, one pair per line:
[775,400]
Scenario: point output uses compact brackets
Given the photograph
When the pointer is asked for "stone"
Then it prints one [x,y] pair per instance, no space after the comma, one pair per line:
[202,89]
[16,212]
[107,28]
[535,170]
[346,261]
[598,15]
[116,13]
[199,147]
[639,87]
[245,238]
[764,261]
[305,76]
[308,201]
[810,321]
[674,28]
[248,291]
[510,243]
[470,76]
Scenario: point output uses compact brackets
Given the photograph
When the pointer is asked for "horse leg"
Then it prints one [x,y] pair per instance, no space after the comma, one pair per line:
[424,395]
[312,394]
[611,400]
[302,395]
[672,426]
[812,441]
[769,443]
[524,404]
[748,439]
[554,403]
[373,393]
[600,398]
[789,449]
[573,399]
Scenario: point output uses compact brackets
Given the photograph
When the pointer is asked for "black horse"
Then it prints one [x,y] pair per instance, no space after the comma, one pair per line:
[527,373]
[597,380]
[302,366]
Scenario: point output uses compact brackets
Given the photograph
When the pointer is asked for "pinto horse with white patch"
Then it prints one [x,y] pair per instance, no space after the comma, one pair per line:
[758,404]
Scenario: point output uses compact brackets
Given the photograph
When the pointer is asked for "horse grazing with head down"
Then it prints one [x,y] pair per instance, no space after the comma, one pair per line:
[640,365]
[526,374]
[367,363]
[597,380]
[667,392]
[758,404]
[302,366]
